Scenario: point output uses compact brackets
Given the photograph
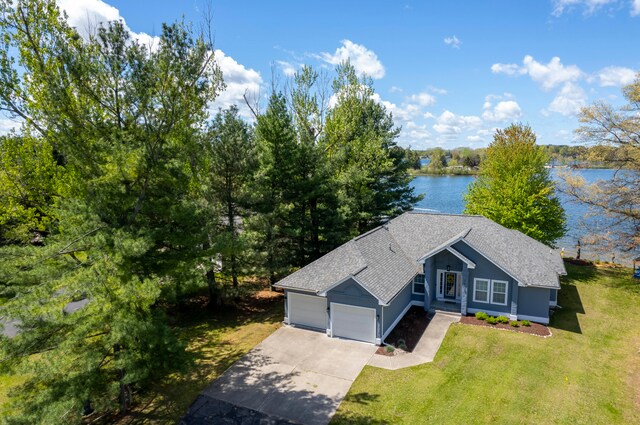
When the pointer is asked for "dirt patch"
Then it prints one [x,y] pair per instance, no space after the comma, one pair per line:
[409,330]
[382,351]
[534,329]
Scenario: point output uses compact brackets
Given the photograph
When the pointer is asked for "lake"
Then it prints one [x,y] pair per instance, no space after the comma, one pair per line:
[445,194]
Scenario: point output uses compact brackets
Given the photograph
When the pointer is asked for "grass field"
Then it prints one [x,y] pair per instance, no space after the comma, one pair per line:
[588,372]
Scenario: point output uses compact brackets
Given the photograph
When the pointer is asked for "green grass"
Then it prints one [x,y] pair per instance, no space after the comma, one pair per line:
[215,342]
[588,372]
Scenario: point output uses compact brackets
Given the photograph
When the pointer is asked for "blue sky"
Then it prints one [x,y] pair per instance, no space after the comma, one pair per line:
[450,71]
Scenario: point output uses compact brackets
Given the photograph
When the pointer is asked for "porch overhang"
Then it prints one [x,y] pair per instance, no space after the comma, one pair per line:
[470,264]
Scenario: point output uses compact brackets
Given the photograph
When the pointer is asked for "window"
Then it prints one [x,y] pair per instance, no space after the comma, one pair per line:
[418,284]
[481,290]
[499,292]
[497,288]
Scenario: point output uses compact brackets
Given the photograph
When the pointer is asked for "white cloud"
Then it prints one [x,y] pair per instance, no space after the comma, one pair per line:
[612,76]
[87,15]
[238,80]
[507,68]
[8,124]
[395,89]
[589,6]
[547,75]
[450,123]
[569,101]
[635,8]
[504,110]
[437,90]
[364,61]
[453,41]
[422,99]
[288,69]
[474,139]
[412,131]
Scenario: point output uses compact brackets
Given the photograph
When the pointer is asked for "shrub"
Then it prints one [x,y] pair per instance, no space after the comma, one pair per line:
[390,348]
[401,344]
[492,320]
[481,315]
[502,319]
[526,323]
[514,323]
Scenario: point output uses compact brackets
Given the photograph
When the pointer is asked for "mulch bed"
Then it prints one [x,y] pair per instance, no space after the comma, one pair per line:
[535,328]
[410,329]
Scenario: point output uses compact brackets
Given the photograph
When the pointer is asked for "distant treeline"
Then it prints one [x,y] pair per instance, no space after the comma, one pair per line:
[465,160]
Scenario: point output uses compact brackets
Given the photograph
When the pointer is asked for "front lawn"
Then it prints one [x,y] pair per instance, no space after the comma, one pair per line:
[588,372]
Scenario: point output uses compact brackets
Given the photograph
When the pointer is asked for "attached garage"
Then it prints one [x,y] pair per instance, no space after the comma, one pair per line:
[348,321]
[307,310]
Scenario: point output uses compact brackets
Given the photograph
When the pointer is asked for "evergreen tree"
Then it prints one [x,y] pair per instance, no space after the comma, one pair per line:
[315,218]
[370,170]
[273,189]
[230,167]
[122,120]
[515,189]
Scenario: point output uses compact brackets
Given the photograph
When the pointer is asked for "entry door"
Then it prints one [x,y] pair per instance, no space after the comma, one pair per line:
[450,285]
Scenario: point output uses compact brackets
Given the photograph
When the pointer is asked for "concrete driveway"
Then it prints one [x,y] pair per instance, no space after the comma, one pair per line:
[293,376]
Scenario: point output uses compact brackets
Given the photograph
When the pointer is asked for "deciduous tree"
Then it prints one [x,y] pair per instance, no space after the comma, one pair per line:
[515,189]
[614,134]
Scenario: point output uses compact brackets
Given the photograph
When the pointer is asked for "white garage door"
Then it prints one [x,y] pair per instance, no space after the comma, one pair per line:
[307,310]
[352,322]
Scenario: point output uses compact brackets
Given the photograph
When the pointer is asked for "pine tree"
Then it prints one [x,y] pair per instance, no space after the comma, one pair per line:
[231,162]
[123,121]
[274,188]
[370,170]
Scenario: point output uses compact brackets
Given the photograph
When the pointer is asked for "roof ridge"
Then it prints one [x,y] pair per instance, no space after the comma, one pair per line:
[357,238]
[432,212]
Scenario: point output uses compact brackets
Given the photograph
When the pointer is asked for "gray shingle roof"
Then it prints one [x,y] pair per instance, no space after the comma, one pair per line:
[386,258]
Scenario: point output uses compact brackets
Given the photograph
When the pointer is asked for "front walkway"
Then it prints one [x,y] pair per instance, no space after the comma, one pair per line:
[426,348]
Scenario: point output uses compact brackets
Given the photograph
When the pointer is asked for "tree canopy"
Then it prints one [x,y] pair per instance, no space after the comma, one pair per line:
[614,136]
[515,189]
[120,197]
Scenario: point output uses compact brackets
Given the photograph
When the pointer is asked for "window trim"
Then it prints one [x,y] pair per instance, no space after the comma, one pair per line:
[506,291]
[424,284]
[488,291]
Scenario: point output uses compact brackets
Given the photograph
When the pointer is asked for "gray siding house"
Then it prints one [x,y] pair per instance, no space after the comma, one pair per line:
[464,263]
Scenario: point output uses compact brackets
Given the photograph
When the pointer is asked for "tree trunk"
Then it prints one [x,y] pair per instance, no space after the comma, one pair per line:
[315,228]
[214,294]
[231,226]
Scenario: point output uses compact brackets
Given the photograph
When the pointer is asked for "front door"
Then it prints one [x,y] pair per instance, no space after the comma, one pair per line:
[450,283]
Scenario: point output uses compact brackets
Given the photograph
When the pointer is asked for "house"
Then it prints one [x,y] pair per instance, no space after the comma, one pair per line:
[363,288]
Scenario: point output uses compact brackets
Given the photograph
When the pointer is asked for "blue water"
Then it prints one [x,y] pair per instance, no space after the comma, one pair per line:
[445,194]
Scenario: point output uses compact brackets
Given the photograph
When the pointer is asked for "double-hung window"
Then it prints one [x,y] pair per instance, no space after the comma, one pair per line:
[481,290]
[418,284]
[499,292]
[490,291]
